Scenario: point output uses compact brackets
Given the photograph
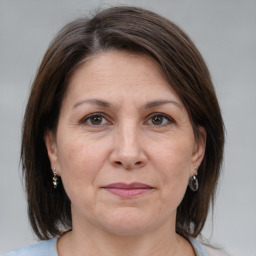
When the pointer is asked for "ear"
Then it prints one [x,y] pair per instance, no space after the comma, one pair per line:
[199,149]
[51,146]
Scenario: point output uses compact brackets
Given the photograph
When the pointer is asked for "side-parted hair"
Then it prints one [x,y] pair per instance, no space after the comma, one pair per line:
[139,31]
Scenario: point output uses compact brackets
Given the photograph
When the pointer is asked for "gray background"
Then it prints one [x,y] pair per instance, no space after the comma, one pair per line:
[224,32]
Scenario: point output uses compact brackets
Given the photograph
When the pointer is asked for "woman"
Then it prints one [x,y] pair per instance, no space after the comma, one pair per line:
[122,139]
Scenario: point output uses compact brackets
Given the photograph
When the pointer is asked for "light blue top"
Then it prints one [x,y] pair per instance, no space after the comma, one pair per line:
[45,248]
[49,248]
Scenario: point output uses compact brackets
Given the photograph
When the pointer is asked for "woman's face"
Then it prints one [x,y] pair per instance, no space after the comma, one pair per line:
[124,146]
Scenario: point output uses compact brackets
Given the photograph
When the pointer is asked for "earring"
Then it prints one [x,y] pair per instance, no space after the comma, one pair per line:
[55,178]
[193,181]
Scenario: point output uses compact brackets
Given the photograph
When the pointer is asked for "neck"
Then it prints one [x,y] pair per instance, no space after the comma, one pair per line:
[157,242]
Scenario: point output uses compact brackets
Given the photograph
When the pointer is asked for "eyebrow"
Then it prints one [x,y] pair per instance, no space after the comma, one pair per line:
[156,103]
[97,102]
[105,104]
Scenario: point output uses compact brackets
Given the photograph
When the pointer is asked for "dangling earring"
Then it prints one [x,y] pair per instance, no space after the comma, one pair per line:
[193,181]
[55,178]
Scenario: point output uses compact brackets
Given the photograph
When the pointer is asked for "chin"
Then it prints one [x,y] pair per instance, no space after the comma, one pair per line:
[128,221]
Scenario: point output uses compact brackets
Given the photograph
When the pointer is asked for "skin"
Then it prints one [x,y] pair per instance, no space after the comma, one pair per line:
[141,133]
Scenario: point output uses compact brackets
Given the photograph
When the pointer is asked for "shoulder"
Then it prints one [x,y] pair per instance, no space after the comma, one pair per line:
[200,250]
[204,250]
[215,252]
[40,249]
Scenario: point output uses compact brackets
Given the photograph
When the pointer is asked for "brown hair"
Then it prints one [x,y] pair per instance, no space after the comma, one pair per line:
[136,30]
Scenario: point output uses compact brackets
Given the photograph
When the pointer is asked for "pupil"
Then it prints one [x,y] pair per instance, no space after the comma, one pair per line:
[157,120]
[96,120]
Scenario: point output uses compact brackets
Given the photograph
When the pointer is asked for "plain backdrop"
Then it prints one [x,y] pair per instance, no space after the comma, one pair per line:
[225,33]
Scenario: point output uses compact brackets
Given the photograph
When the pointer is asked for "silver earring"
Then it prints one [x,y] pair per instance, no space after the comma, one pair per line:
[55,178]
[193,181]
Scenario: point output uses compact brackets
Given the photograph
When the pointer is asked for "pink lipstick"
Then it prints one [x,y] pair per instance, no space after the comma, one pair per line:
[128,190]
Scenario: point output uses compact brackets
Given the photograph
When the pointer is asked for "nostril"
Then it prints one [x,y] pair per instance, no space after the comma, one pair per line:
[138,163]
[129,165]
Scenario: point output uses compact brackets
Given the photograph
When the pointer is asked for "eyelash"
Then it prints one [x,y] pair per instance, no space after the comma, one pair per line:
[169,120]
[87,119]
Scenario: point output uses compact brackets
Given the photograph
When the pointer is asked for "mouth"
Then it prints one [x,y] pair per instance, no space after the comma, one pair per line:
[130,190]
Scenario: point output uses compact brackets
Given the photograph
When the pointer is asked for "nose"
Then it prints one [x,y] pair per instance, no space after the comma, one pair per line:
[128,149]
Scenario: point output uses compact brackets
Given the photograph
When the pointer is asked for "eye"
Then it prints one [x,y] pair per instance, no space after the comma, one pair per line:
[95,120]
[157,120]
[160,120]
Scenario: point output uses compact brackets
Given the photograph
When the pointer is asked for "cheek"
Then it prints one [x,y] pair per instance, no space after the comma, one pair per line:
[77,152]
[175,155]
[80,161]
[174,164]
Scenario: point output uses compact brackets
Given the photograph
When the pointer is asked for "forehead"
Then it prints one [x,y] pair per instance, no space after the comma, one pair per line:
[113,62]
[119,70]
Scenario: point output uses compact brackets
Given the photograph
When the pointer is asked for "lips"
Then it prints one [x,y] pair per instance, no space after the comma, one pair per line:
[125,190]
